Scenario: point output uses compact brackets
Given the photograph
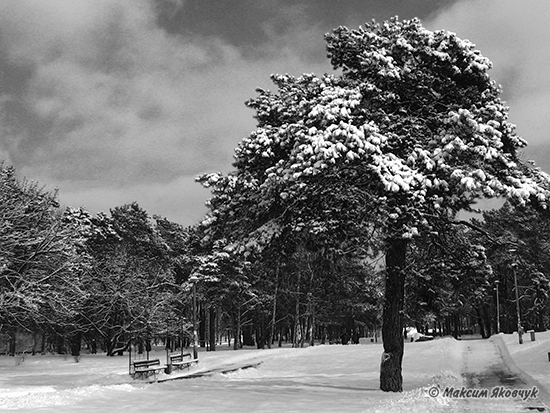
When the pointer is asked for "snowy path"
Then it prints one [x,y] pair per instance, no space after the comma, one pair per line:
[485,367]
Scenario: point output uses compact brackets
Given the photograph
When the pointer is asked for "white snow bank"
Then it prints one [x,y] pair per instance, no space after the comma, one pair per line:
[531,358]
[324,378]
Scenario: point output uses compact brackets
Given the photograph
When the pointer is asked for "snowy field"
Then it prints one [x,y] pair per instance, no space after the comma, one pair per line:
[324,378]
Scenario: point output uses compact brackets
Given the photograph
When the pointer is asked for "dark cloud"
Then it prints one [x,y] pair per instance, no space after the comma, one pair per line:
[243,23]
[111,103]
[120,100]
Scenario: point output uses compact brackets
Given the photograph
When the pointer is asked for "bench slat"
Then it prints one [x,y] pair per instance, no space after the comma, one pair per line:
[146,363]
[145,367]
[182,364]
[179,357]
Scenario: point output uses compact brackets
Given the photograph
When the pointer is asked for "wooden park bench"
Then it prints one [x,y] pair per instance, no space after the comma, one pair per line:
[146,368]
[178,362]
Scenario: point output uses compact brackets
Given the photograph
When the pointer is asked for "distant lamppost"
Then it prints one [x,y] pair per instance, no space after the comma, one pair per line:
[193,280]
[498,307]
[520,332]
[514,265]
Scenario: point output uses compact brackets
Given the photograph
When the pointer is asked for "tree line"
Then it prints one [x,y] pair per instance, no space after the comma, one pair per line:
[69,278]
[72,278]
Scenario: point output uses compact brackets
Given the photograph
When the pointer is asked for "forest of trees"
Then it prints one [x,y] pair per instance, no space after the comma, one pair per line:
[70,279]
[341,216]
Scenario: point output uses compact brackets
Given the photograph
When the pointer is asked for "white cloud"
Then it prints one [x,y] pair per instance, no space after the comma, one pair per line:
[112,79]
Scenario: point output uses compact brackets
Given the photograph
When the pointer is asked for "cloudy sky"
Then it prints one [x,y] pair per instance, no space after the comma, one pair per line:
[114,101]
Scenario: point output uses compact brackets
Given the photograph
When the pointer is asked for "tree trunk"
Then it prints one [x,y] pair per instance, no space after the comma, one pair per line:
[237,329]
[391,378]
[311,320]
[34,342]
[296,336]
[273,316]
[455,326]
[43,344]
[248,336]
[12,342]
[202,326]
[261,330]
[303,332]
[486,332]
[76,341]
[213,325]
[60,344]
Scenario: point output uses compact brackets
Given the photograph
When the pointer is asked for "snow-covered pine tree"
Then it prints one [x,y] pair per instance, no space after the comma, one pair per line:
[412,129]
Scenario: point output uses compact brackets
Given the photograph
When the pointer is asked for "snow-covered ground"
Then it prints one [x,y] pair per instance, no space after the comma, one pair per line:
[323,378]
[532,358]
